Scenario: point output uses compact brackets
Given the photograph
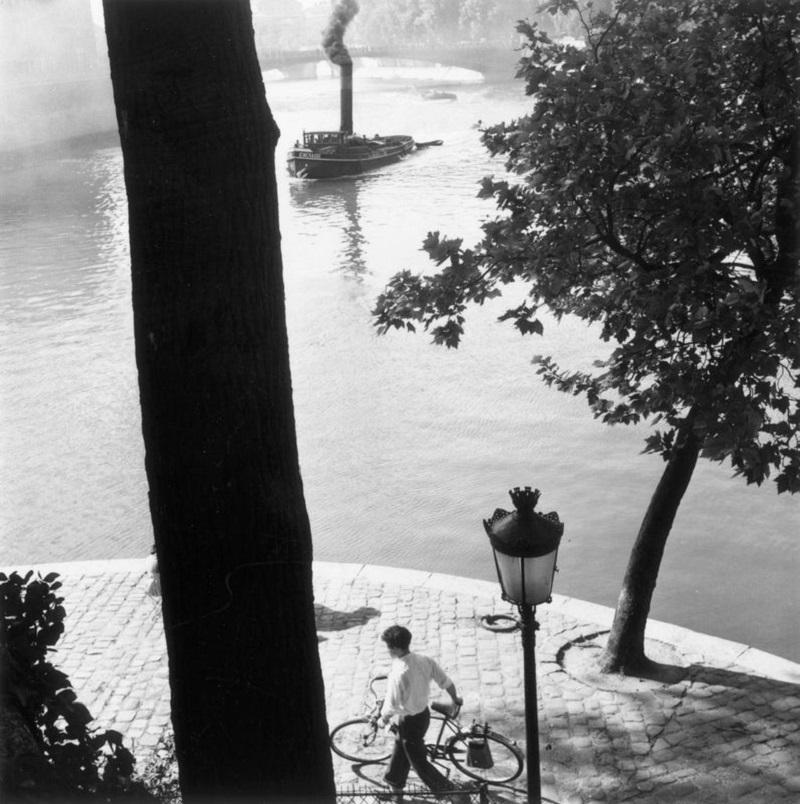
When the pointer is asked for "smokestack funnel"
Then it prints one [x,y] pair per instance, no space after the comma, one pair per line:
[346,98]
[335,49]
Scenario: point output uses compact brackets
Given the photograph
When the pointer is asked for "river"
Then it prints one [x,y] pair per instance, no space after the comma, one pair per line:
[405,447]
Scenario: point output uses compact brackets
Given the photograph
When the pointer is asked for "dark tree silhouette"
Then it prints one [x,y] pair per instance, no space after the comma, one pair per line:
[226,498]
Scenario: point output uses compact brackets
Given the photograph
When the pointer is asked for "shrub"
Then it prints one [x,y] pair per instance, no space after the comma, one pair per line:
[160,774]
[48,747]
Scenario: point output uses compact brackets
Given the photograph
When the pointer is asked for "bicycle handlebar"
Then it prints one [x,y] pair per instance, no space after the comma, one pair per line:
[372,683]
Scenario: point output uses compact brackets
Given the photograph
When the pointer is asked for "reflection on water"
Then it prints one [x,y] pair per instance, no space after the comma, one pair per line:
[404,447]
[71,444]
[336,202]
[64,261]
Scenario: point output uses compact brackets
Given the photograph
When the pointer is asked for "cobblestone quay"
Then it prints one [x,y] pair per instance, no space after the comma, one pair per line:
[720,725]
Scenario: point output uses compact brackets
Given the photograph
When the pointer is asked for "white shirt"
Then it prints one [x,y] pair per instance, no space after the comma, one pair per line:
[409,683]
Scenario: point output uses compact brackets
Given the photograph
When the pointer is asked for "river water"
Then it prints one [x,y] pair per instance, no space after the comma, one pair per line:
[405,447]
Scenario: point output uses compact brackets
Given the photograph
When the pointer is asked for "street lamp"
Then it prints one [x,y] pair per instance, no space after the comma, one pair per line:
[525,546]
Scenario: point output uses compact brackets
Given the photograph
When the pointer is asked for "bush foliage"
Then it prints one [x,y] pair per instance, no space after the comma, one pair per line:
[71,761]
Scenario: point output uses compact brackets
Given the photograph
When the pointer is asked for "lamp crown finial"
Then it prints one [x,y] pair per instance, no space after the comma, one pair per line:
[524,499]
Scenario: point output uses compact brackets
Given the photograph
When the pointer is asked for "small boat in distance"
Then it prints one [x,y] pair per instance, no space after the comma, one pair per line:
[331,154]
[438,94]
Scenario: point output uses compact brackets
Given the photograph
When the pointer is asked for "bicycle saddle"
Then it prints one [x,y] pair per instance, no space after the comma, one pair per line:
[442,708]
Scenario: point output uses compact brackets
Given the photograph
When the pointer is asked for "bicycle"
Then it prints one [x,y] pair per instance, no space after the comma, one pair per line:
[478,752]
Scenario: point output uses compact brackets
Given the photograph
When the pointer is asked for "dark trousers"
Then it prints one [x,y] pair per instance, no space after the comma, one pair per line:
[409,752]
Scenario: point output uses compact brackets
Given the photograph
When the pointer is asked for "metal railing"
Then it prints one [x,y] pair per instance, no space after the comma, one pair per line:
[369,794]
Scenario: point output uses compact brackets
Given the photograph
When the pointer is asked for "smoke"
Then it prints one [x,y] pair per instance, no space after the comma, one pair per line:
[333,35]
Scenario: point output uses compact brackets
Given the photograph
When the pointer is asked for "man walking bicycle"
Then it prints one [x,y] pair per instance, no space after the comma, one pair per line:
[406,706]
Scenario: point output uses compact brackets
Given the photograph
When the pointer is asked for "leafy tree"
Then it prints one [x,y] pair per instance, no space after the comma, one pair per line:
[654,192]
[49,751]
[414,22]
[226,498]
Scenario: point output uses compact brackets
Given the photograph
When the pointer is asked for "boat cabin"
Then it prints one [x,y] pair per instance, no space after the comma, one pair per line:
[319,139]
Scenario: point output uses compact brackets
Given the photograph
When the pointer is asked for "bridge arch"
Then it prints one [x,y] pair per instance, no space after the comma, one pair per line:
[492,62]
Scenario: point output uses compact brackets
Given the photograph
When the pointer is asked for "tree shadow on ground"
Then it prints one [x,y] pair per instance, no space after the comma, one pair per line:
[666,673]
[332,620]
[731,731]
[688,733]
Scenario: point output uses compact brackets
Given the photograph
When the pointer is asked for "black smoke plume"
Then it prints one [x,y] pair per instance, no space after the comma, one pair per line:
[333,36]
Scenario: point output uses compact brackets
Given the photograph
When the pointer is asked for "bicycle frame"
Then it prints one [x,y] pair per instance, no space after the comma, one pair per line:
[470,749]
[447,728]
[450,727]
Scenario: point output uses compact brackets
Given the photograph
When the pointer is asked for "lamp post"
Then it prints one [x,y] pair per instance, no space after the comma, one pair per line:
[525,545]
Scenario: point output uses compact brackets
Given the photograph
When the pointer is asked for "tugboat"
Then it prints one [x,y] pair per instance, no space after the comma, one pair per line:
[331,154]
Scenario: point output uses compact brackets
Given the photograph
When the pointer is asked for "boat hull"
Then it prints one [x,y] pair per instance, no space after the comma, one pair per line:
[307,164]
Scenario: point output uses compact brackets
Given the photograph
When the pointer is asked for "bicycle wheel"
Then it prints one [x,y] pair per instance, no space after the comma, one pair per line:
[504,757]
[360,740]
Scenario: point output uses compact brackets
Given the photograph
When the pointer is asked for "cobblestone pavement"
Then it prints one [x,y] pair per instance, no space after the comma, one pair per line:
[721,723]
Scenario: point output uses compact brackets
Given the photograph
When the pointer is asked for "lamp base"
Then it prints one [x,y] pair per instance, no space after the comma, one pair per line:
[500,623]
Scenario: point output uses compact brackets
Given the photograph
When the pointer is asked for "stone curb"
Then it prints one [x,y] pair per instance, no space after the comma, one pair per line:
[683,639]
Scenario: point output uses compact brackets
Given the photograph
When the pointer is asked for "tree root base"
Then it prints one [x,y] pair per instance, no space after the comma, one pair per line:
[584,659]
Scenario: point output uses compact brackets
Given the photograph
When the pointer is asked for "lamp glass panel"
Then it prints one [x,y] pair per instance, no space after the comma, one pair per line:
[537,574]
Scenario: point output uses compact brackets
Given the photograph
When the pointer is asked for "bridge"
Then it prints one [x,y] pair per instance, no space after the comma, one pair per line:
[493,60]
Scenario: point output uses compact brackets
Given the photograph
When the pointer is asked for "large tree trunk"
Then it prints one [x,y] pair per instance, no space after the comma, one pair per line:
[226,499]
[624,651]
